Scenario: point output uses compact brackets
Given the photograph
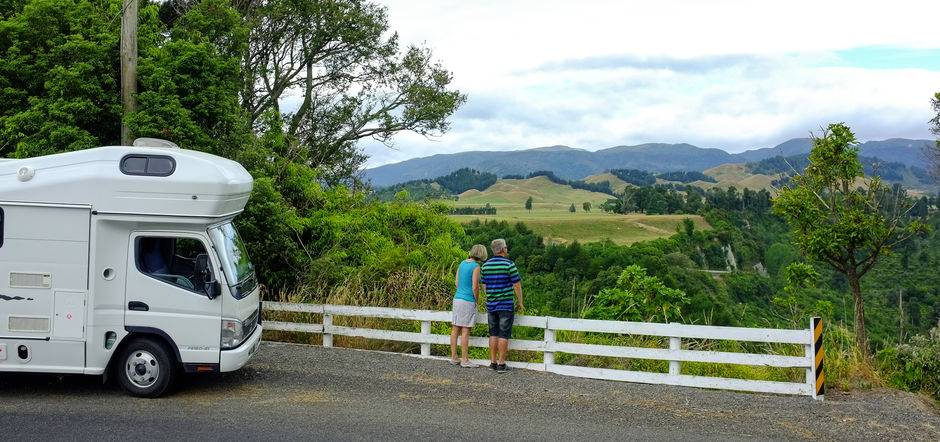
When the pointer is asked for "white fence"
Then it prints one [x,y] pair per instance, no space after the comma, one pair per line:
[675,354]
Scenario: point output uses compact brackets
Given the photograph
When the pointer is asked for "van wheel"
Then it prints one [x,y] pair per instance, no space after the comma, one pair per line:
[145,368]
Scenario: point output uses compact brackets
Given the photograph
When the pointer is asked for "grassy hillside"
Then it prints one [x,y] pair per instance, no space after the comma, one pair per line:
[544,193]
[735,175]
[561,226]
[550,216]
[616,184]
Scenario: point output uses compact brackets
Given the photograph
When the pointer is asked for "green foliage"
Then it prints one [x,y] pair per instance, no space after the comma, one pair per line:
[413,191]
[354,81]
[211,77]
[58,76]
[932,153]
[441,187]
[528,203]
[571,208]
[638,297]
[778,257]
[686,177]
[634,176]
[190,81]
[835,223]
[304,232]
[915,366]
[465,179]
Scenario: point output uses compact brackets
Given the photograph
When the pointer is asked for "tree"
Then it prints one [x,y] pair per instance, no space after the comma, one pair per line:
[213,75]
[638,297]
[838,223]
[572,208]
[353,80]
[932,153]
[58,76]
[528,204]
[586,206]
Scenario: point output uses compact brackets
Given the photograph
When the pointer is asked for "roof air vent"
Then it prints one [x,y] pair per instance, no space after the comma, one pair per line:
[155,142]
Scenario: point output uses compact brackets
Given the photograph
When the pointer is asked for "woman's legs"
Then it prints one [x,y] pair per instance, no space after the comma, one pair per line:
[453,342]
[465,342]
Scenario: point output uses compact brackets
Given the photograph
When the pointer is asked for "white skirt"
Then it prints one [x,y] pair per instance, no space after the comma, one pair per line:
[465,313]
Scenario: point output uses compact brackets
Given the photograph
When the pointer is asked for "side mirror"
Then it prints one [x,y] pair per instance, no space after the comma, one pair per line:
[205,277]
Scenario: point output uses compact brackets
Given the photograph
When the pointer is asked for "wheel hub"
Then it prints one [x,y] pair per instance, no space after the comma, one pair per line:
[142,368]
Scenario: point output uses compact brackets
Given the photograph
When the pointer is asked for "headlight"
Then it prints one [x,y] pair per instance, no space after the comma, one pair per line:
[232,333]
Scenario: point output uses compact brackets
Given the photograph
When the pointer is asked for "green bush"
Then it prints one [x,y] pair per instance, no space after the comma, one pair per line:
[915,366]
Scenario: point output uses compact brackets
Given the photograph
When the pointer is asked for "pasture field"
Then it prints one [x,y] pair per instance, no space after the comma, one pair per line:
[514,193]
[555,224]
[551,219]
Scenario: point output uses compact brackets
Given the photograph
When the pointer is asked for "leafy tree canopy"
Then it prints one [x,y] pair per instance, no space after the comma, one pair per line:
[213,75]
[839,223]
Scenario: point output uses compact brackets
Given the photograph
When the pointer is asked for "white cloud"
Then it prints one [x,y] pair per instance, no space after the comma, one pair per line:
[728,74]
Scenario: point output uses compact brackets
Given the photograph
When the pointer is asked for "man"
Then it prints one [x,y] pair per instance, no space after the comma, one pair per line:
[500,281]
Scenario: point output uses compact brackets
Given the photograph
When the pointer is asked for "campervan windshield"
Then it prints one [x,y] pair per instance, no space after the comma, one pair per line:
[239,272]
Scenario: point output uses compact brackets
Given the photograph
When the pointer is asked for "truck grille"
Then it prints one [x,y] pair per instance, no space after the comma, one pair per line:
[251,323]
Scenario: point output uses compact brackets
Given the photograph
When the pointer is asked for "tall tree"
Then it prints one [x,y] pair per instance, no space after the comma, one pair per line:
[348,76]
[213,76]
[932,153]
[528,204]
[838,223]
[58,76]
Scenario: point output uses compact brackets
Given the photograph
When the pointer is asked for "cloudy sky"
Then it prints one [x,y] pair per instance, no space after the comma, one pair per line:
[734,75]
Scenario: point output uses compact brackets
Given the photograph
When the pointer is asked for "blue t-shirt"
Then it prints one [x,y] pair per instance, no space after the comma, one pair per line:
[465,281]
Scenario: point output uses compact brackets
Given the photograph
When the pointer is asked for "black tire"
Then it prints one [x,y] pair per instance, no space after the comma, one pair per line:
[145,368]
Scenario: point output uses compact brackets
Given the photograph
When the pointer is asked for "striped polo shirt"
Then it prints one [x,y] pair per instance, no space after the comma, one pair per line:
[499,274]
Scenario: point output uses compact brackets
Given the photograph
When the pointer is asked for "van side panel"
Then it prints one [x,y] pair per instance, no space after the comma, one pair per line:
[44,287]
[108,279]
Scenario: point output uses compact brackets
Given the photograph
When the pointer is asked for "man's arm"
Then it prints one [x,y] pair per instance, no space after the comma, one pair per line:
[517,288]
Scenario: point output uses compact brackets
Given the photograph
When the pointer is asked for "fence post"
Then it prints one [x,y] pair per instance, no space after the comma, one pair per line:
[815,372]
[426,330]
[675,367]
[327,326]
[549,356]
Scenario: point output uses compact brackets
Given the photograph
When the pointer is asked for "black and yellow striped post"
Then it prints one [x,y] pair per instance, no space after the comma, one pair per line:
[819,386]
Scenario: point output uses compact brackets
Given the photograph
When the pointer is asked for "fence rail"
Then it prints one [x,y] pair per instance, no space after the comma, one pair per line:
[811,361]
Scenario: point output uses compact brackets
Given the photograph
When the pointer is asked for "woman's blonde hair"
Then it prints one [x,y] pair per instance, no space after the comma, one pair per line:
[478,252]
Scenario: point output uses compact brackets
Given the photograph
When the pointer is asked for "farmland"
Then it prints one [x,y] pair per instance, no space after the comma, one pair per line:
[550,216]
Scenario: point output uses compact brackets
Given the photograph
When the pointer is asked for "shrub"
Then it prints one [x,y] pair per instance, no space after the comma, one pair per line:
[915,366]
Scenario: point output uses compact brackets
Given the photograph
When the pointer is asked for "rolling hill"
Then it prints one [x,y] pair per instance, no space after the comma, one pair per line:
[575,164]
[540,188]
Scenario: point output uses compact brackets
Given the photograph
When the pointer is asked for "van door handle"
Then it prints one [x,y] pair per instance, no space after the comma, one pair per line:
[138,306]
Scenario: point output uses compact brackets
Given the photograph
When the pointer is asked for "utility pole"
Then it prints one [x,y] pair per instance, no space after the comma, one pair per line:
[128,66]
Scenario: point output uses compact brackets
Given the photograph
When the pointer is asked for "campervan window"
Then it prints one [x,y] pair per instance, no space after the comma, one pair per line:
[172,260]
[150,165]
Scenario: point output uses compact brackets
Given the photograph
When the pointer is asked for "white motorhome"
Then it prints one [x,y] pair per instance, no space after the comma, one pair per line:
[124,258]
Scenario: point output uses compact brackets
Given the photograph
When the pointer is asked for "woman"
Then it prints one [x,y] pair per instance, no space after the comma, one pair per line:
[467,281]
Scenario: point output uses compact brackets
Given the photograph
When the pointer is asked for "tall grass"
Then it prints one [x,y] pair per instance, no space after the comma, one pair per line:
[425,288]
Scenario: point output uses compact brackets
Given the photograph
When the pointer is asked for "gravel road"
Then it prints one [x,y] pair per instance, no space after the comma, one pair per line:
[296,392]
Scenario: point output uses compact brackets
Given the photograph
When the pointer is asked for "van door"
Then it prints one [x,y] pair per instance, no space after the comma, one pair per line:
[43,286]
[163,294]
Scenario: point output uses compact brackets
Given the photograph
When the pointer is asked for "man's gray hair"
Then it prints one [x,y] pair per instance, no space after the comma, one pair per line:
[497,246]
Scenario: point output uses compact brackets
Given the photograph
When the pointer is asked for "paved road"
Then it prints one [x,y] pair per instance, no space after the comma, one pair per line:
[294,392]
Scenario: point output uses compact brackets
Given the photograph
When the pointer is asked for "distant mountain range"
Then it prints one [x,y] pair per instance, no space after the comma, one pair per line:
[575,164]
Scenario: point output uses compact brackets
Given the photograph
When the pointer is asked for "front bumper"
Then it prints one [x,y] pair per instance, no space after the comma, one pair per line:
[231,360]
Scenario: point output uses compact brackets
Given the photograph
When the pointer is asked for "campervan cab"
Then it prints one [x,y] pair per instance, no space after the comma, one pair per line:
[123,260]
